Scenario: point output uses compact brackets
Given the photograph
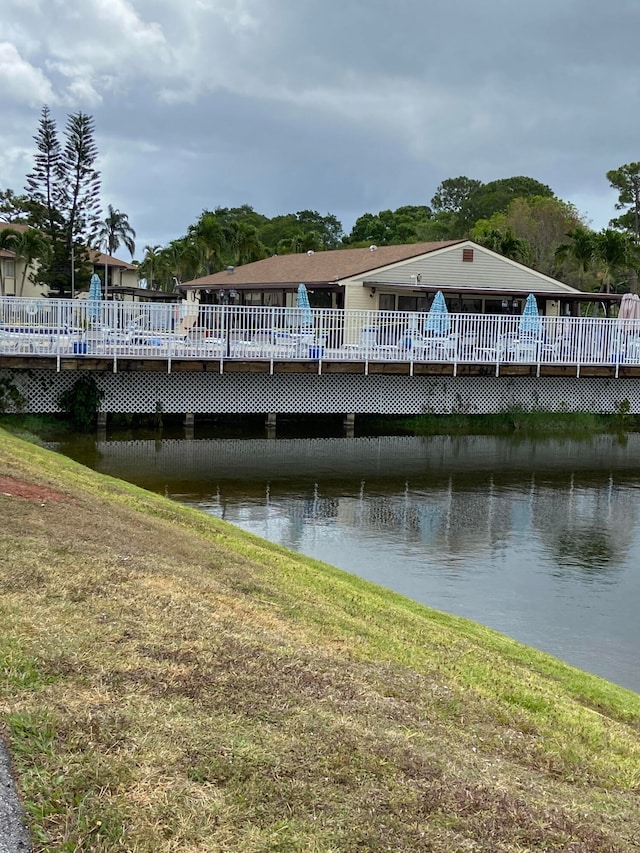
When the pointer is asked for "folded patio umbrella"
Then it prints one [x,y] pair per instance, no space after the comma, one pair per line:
[530,324]
[438,321]
[95,297]
[302,303]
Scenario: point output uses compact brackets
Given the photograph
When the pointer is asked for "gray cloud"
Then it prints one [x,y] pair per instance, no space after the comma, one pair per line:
[341,107]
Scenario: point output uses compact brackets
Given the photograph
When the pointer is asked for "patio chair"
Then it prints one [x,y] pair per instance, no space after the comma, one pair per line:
[9,342]
[448,348]
[492,353]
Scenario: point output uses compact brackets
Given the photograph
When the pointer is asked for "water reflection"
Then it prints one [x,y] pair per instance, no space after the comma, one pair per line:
[537,539]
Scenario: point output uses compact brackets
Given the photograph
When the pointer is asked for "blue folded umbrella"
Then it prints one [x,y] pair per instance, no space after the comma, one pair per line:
[302,302]
[438,321]
[530,324]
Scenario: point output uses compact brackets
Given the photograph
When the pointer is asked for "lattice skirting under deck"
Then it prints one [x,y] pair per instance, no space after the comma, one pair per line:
[211,393]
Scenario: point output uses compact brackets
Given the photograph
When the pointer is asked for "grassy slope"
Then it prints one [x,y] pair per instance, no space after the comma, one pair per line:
[173,684]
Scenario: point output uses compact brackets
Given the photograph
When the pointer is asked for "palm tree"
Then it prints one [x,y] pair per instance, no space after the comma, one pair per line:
[150,257]
[300,241]
[114,230]
[210,237]
[29,245]
[581,250]
[183,260]
[245,243]
[617,253]
[507,244]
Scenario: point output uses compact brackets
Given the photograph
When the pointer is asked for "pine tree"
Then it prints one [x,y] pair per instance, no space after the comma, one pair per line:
[63,190]
[80,191]
[44,182]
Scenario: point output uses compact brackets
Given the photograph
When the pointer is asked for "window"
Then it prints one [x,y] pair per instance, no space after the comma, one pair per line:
[273,298]
[387,302]
[320,299]
[407,303]
[10,269]
[471,306]
[497,306]
[252,297]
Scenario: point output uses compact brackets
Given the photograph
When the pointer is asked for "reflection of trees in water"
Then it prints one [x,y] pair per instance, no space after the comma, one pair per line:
[589,528]
[591,548]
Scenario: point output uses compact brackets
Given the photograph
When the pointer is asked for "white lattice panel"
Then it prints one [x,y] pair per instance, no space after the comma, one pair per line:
[211,393]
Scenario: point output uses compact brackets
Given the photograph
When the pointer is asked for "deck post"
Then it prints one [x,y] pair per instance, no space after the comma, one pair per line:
[270,420]
[101,426]
[349,424]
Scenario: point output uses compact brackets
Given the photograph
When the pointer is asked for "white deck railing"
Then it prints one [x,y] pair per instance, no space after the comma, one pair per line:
[68,328]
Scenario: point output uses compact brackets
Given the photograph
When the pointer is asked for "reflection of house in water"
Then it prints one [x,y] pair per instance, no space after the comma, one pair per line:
[450,520]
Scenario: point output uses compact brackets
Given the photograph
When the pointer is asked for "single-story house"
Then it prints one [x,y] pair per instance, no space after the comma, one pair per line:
[405,278]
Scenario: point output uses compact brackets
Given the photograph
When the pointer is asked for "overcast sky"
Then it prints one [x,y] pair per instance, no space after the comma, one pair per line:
[339,106]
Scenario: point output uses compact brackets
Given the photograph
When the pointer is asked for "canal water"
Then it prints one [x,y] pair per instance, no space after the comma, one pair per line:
[538,539]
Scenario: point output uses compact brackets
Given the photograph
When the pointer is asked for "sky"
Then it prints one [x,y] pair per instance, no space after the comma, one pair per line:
[341,107]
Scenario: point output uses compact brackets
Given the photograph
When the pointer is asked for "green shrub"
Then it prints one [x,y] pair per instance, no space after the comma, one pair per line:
[81,402]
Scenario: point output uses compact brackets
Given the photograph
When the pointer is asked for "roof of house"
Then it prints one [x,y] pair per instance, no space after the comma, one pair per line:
[331,266]
[99,259]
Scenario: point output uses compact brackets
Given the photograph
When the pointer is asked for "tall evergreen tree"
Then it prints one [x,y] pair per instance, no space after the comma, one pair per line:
[80,190]
[63,190]
[44,182]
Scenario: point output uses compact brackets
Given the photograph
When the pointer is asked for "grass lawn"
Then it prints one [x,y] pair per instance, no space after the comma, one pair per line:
[170,683]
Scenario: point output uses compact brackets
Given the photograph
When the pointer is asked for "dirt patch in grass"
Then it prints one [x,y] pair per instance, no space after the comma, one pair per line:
[15,488]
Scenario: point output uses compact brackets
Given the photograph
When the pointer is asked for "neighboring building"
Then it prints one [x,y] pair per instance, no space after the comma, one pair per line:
[472,278]
[120,274]
[13,267]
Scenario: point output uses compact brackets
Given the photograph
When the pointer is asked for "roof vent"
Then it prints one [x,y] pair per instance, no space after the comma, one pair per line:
[310,252]
[230,270]
[372,248]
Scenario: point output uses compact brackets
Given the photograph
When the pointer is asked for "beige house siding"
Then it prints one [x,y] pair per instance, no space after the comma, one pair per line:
[446,268]
[358,298]
[12,282]
[121,277]
[487,270]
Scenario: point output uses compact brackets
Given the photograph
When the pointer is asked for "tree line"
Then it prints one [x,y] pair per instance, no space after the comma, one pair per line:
[518,217]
